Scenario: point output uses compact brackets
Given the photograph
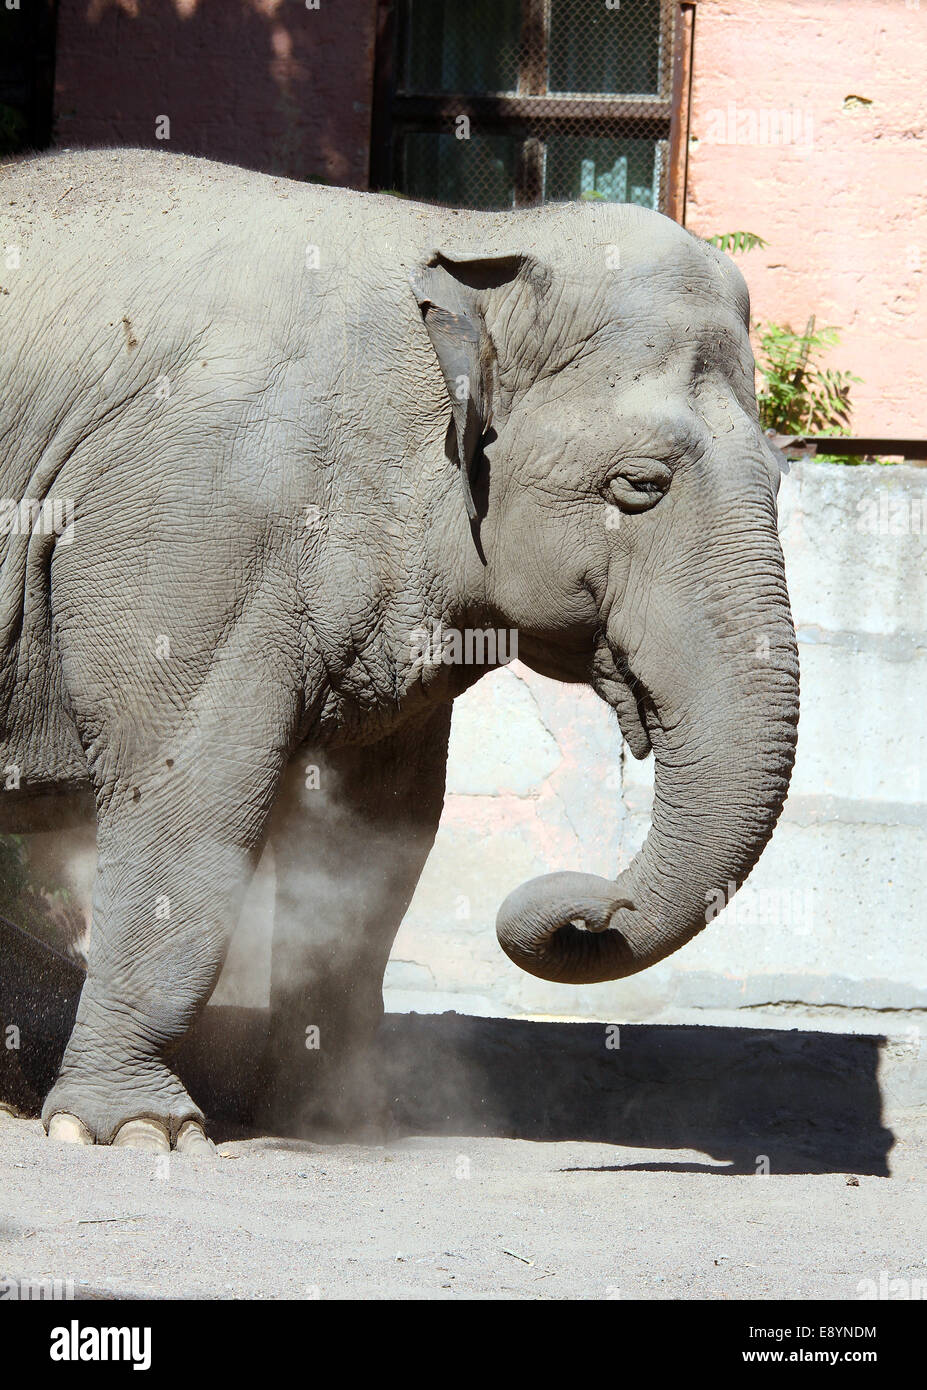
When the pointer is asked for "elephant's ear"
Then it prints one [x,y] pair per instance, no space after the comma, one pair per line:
[452,293]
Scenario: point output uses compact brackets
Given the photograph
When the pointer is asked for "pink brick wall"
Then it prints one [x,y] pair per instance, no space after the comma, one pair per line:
[266,83]
[841,195]
[843,207]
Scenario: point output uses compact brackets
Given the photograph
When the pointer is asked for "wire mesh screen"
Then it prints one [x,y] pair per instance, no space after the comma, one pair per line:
[469,47]
[502,103]
[597,49]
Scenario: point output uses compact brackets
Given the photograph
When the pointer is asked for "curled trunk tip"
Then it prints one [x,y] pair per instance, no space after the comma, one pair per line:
[538,928]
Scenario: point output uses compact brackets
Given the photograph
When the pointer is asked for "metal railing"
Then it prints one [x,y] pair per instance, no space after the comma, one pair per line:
[851,446]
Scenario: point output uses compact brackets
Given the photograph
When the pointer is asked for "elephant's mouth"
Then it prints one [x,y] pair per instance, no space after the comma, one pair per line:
[611,678]
[615,683]
[631,721]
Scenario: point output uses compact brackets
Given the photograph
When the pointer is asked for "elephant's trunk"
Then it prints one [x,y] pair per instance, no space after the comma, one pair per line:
[724,754]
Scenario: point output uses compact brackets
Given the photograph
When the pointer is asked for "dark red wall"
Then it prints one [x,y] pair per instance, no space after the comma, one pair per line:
[265,83]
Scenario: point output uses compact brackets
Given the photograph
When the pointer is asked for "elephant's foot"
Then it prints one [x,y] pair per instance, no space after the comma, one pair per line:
[149,1135]
[152,1113]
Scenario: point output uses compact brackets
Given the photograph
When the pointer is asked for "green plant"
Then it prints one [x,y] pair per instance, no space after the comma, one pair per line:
[801,396]
[41,907]
[732,242]
[14,872]
[19,896]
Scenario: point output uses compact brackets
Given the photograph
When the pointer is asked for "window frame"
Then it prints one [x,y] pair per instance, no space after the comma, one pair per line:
[531,109]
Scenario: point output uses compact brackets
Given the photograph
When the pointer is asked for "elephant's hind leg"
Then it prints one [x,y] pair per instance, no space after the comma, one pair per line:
[348,855]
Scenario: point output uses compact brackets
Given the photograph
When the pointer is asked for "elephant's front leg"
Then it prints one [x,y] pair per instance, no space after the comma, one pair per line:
[177,840]
[349,846]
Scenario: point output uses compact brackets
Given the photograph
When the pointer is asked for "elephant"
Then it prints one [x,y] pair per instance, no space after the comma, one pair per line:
[256,434]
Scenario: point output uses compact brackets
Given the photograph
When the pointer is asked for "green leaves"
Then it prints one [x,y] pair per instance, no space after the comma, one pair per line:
[732,242]
[801,396]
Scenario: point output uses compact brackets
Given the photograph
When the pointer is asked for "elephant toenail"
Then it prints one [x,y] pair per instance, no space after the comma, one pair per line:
[192,1141]
[68,1129]
[148,1135]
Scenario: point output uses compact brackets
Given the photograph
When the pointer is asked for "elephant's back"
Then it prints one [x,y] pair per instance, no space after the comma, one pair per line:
[106,195]
[101,184]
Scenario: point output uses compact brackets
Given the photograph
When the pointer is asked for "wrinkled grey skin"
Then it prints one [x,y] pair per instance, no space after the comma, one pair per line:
[297,506]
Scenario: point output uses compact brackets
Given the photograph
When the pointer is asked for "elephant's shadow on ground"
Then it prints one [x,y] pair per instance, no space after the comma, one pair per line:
[806,1102]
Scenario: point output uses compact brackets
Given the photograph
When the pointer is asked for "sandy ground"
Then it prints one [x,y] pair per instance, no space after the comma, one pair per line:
[446,1218]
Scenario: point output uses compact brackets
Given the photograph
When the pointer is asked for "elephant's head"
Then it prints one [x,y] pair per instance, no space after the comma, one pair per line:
[606,428]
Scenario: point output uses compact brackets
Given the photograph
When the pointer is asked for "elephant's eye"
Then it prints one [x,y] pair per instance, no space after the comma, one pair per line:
[638,485]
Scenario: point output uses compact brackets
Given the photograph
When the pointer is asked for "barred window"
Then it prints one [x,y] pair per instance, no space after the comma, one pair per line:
[507,103]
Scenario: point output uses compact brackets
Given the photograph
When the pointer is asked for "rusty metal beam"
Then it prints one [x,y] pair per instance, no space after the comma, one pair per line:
[447,106]
[800,444]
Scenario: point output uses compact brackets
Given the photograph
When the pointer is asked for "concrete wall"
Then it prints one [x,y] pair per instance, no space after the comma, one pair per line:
[270,84]
[831,922]
[838,189]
